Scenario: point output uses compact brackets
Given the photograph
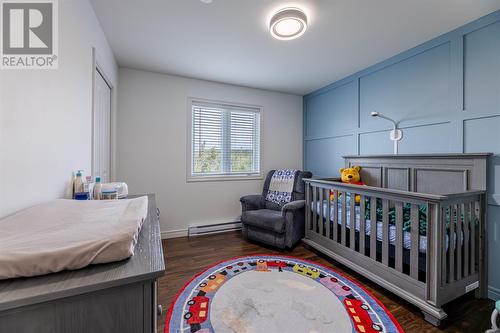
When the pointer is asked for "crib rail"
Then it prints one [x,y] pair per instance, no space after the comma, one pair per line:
[418,245]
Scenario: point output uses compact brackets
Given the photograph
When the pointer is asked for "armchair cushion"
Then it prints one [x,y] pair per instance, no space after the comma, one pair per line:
[267,219]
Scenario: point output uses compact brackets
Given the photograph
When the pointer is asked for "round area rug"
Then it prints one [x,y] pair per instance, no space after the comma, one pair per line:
[275,294]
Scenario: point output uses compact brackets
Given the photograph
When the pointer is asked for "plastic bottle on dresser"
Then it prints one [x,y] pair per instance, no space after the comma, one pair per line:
[97,188]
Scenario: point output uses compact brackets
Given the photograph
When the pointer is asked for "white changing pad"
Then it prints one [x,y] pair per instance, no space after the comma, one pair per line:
[69,234]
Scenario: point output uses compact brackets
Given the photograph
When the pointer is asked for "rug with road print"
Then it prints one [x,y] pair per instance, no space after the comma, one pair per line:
[275,294]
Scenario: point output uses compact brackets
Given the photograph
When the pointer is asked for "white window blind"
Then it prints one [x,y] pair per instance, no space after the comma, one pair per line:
[225,140]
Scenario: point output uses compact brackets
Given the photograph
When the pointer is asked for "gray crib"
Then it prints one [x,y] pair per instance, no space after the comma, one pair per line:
[418,229]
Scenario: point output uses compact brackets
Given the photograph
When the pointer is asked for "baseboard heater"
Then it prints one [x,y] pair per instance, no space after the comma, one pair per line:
[213,228]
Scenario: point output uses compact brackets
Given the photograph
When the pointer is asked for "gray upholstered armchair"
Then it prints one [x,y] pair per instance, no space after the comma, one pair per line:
[273,224]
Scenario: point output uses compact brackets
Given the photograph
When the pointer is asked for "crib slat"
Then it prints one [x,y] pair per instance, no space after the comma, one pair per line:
[473,240]
[308,207]
[451,246]
[362,227]
[373,225]
[459,242]
[321,205]
[327,217]
[399,237]
[352,223]
[414,234]
[315,210]
[344,218]
[335,215]
[385,232]
[444,247]
[466,244]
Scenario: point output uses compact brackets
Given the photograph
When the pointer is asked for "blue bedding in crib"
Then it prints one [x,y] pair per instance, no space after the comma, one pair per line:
[368,226]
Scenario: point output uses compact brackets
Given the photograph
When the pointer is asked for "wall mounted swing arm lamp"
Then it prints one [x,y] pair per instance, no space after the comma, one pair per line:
[396,134]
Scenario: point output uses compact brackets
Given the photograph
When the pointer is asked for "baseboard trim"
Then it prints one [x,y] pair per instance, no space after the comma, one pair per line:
[493,293]
[215,228]
[202,230]
[174,233]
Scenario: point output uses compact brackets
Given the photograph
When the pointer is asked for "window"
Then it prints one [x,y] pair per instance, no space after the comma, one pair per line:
[225,141]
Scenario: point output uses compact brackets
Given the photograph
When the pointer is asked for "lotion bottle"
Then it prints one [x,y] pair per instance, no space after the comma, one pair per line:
[97,188]
[78,183]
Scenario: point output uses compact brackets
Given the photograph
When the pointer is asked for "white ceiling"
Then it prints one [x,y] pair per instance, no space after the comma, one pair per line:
[228,40]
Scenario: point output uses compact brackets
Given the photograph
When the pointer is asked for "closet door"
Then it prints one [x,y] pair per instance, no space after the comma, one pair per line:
[101,158]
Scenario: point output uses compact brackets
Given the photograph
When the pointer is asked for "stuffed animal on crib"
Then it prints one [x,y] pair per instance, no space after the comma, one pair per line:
[350,176]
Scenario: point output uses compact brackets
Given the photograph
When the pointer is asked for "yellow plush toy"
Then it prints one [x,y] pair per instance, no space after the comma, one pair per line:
[350,176]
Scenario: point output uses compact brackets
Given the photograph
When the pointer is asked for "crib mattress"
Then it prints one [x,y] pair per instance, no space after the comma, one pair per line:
[368,226]
[69,234]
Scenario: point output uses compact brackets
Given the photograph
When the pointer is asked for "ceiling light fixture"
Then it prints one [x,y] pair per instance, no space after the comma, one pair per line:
[288,23]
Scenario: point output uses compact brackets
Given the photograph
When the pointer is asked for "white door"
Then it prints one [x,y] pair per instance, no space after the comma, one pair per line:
[102,129]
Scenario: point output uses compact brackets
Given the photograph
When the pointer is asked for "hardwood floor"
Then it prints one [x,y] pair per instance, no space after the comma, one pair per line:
[185,257]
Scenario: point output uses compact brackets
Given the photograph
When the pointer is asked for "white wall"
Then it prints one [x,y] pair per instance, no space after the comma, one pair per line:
[152,143]
[45,115]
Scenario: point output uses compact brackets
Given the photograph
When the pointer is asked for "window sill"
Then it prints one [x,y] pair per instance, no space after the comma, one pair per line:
[222,178]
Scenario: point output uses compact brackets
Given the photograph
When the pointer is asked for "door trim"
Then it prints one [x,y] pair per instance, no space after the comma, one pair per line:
[98,68]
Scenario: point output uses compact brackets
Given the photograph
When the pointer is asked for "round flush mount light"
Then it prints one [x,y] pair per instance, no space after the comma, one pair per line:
[288,23]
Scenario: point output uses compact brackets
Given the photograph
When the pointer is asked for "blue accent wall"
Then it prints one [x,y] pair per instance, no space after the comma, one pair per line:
[446,95]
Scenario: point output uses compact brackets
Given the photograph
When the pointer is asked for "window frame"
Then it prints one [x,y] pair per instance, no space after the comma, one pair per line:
[190,177]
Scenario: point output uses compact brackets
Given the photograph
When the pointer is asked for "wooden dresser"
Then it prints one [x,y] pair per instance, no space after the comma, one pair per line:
[115,297]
